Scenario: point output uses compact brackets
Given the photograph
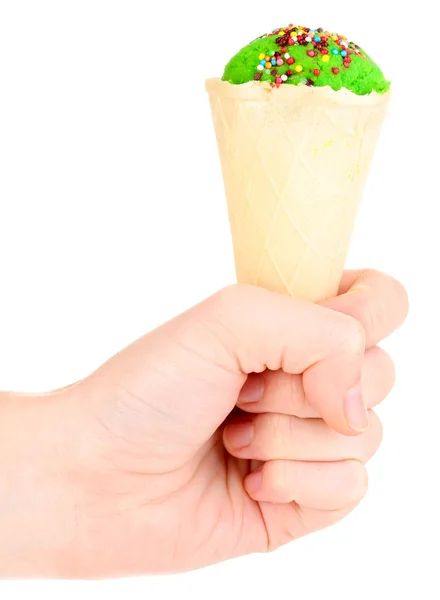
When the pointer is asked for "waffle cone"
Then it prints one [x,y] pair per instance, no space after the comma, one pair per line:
[294,161]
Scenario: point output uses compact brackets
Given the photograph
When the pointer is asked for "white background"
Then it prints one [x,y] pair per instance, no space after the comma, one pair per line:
[113,219]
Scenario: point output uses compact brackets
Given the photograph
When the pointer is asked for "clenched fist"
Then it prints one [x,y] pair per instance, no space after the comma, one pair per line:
[237,427]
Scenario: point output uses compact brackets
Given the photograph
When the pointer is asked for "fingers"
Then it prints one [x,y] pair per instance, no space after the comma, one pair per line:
[259,329]
[323,486]
[292,521]
[245,329]
[279,392]
[374,299]
[281,437]
[180,382]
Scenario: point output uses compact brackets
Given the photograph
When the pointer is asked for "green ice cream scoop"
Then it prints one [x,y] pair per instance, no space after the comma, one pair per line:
[301,56]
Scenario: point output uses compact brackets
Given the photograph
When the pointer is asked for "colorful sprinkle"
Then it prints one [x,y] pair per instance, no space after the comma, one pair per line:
[278,64]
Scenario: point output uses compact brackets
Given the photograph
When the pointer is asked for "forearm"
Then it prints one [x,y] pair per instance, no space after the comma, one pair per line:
[36,503]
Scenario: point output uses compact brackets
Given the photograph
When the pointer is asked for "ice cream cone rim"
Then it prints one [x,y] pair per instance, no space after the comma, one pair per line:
[256,90]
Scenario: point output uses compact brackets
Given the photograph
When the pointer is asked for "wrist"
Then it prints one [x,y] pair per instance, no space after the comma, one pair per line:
[37,498]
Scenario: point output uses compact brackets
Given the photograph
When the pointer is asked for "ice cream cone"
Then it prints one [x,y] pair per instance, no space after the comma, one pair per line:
[294,160]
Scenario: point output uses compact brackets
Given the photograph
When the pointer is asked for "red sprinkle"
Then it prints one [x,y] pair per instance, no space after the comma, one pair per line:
[291,42]
[283,50]
[324,51]
[311,53]
[317,72]
[290,61]
[289,73]
[335,70]
[278,81]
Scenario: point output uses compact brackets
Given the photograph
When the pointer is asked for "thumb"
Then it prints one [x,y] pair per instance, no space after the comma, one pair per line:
[174,387]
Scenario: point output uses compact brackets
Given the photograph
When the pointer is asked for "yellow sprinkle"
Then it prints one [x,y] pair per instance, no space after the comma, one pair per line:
[328,144]
[262,56]
[299,68]
[325,58]
[268,65]
[335,37]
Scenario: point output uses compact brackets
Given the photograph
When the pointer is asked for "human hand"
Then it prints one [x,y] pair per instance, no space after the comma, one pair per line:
[150,479]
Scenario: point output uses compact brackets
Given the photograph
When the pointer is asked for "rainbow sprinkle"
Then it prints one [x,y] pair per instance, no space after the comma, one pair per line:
[315,43]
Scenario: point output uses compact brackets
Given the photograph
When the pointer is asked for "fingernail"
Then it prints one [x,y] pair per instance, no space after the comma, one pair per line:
[239,435]
[254,480]
[252,390]
[355,409]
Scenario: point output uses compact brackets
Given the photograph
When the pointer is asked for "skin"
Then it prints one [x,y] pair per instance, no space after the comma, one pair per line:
[170,457]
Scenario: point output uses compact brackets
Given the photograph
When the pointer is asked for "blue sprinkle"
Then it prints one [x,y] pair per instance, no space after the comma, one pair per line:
[273,61]
[335,51]
[343,53]
[317,38]
[262,62]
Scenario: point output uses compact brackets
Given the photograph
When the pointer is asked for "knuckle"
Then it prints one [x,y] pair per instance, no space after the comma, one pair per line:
[376,428]
[372,439]
[277,478]
[390,308]
[354,336]
[399,291]
[387,369]
[356,481]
